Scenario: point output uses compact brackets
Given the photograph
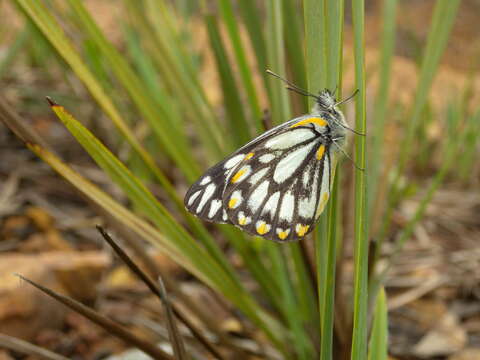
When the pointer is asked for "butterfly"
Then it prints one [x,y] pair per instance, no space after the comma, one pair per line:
[277,185]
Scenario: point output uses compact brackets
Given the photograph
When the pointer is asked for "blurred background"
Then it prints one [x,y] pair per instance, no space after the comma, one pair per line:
[187,81]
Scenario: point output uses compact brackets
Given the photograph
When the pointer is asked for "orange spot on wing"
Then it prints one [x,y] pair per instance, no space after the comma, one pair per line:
[315,120]
[232,203]
[262,228]
[302,229]
[282,235]
[320,152]
[238,175]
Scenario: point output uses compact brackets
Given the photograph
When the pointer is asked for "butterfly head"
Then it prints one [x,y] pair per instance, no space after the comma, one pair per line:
[326,100]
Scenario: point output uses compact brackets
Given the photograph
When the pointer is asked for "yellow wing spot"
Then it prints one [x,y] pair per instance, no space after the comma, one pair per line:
[242,220]
[320,152]
[282,235]
[238,175]
[302,229]
[315,120]
[231,203]
[249,156]
[262,227]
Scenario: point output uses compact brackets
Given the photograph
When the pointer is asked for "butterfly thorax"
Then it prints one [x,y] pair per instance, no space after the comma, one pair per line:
[325,108]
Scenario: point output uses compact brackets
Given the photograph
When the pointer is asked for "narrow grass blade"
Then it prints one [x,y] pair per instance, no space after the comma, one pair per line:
[249,10]
[276,61]
[110,326]
[239,129]
[314,17]
[378,349]
[381,102]
[294,48]
[360,326]
[327,297]
[228,17]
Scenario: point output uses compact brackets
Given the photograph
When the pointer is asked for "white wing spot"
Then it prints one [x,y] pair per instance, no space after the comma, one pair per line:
[209,190]
[287,207]
[289,139]
[271,205]
[224,215]
[233,161]
[257,176]
[205,180]
[256,198]
[265,158]
[287,166]
[193,197]
[214,206]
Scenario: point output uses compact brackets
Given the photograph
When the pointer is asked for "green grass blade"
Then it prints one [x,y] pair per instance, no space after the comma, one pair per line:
[328,296]
[228,16]
[386,55]
[239,128]
[378,349]
[276,60]
[315,52]
[249,10]
[294,48]
[360,326]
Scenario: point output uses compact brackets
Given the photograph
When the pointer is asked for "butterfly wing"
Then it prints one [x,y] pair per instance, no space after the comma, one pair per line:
[204,198]
[281,187]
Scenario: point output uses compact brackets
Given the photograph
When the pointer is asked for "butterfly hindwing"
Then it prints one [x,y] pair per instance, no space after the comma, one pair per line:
[204,198]
[276,191]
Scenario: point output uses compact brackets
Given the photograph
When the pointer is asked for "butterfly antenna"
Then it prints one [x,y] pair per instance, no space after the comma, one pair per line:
[343,125]
[291,86]
[335,91]
[346,99]
[347,156]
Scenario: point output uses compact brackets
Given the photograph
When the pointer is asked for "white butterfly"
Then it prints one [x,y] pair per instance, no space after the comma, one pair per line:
[277,185]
